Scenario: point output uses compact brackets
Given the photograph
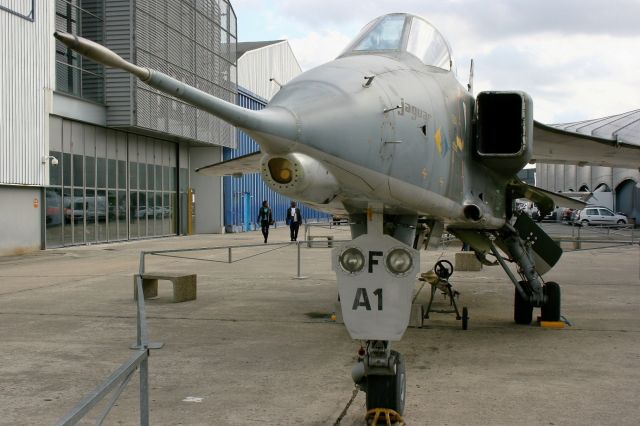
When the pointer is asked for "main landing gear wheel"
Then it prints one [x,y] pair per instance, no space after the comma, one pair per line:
[388,391]
[550,311]
[522,309]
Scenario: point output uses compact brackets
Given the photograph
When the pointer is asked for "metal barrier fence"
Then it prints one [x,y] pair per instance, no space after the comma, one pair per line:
[120,378]
[595,234]
[269,248]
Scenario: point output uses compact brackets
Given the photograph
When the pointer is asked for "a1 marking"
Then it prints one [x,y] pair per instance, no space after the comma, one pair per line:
[362,299]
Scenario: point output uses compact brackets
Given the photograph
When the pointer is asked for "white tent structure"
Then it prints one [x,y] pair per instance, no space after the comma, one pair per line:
[265,65]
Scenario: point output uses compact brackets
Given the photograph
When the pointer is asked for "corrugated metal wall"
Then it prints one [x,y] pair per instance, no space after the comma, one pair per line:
[119,83]
[234,188]
[26,76]
[191,41]
[256,67]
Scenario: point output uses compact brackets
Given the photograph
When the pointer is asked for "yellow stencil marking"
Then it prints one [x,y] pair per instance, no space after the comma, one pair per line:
[438,139]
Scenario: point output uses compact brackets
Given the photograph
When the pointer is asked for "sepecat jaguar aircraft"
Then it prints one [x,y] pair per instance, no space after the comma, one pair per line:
[386,135]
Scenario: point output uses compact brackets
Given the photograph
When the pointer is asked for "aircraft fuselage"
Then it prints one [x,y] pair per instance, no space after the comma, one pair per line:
[404,138]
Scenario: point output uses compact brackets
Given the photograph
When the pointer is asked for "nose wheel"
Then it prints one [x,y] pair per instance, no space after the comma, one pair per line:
[388,391]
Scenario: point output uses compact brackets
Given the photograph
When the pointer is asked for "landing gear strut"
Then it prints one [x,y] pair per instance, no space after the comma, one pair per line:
[530,292]
[380,372]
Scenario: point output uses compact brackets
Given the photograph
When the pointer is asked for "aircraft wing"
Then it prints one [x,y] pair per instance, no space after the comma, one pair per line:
[552,145]
[545,200]
[246,164]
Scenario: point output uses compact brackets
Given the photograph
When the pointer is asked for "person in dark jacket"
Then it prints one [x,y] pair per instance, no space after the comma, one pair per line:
[294,219]
[265,219]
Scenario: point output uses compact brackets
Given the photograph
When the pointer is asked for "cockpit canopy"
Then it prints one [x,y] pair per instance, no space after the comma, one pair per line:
[401,32]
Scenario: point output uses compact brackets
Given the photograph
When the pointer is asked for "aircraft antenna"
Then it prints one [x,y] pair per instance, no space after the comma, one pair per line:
[470,85]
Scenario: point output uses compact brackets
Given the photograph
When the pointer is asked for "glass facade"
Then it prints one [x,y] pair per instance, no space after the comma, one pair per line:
[108,186]
[114,185]
[75,74]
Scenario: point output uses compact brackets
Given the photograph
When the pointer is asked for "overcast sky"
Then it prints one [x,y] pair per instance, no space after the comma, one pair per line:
[578,59]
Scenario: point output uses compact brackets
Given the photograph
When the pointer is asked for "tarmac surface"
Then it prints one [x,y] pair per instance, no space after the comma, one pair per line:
[257,345]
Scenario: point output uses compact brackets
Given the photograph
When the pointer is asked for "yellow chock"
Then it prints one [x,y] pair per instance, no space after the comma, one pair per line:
[389,417]
[333,317]
[552,324]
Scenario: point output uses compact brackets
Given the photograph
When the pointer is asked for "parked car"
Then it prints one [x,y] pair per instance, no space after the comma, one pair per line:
[599,216]
[75,209]
[567,216]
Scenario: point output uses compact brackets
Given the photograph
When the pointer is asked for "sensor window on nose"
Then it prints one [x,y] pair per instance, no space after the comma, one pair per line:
[281,170]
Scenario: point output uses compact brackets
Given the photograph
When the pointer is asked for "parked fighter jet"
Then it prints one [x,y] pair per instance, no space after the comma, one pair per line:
[386,135]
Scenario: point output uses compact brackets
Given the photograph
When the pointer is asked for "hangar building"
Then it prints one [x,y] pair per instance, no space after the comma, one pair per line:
[622,184]
[89,154]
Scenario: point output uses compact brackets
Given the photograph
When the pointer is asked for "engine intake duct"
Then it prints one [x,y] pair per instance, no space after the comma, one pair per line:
[504,132]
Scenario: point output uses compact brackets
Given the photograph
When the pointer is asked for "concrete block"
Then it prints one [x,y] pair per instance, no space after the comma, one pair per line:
[417,315]
[149,288]
[467,261]
[184,286]
[311,243]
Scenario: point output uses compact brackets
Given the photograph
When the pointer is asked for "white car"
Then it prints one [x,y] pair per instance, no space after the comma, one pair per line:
[599,216]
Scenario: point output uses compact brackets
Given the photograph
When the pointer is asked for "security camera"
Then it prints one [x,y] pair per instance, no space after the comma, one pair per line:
[54,161]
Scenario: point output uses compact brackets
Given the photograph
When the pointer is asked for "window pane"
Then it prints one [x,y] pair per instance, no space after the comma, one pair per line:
[133,175]
[159,178]
[150,178]
[122,174]
[142,214]
[101,215]
[53,209]
[55,172]
[102,173]
[112,215]
[142,176]
[78,171]
[77,216]
[133,214]
[90,171]
[112,173]
[66,169]
[122,215]
[90,209]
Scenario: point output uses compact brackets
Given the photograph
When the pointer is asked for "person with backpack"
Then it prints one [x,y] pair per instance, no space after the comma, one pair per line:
[265,219]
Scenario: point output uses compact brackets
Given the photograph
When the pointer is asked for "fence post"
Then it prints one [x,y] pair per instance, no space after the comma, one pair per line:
[299,276]
[144,391]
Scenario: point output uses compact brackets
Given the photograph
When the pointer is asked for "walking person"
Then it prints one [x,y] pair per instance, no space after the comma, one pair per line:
[294,219]
[265,219]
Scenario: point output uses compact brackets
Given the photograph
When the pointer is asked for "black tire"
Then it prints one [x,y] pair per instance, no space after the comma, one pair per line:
[584,223]
[522,309]
[465,318]
[550,311]
[388,391]
[621,222]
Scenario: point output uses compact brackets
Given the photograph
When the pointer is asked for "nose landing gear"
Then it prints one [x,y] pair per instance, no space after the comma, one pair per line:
[381,373]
